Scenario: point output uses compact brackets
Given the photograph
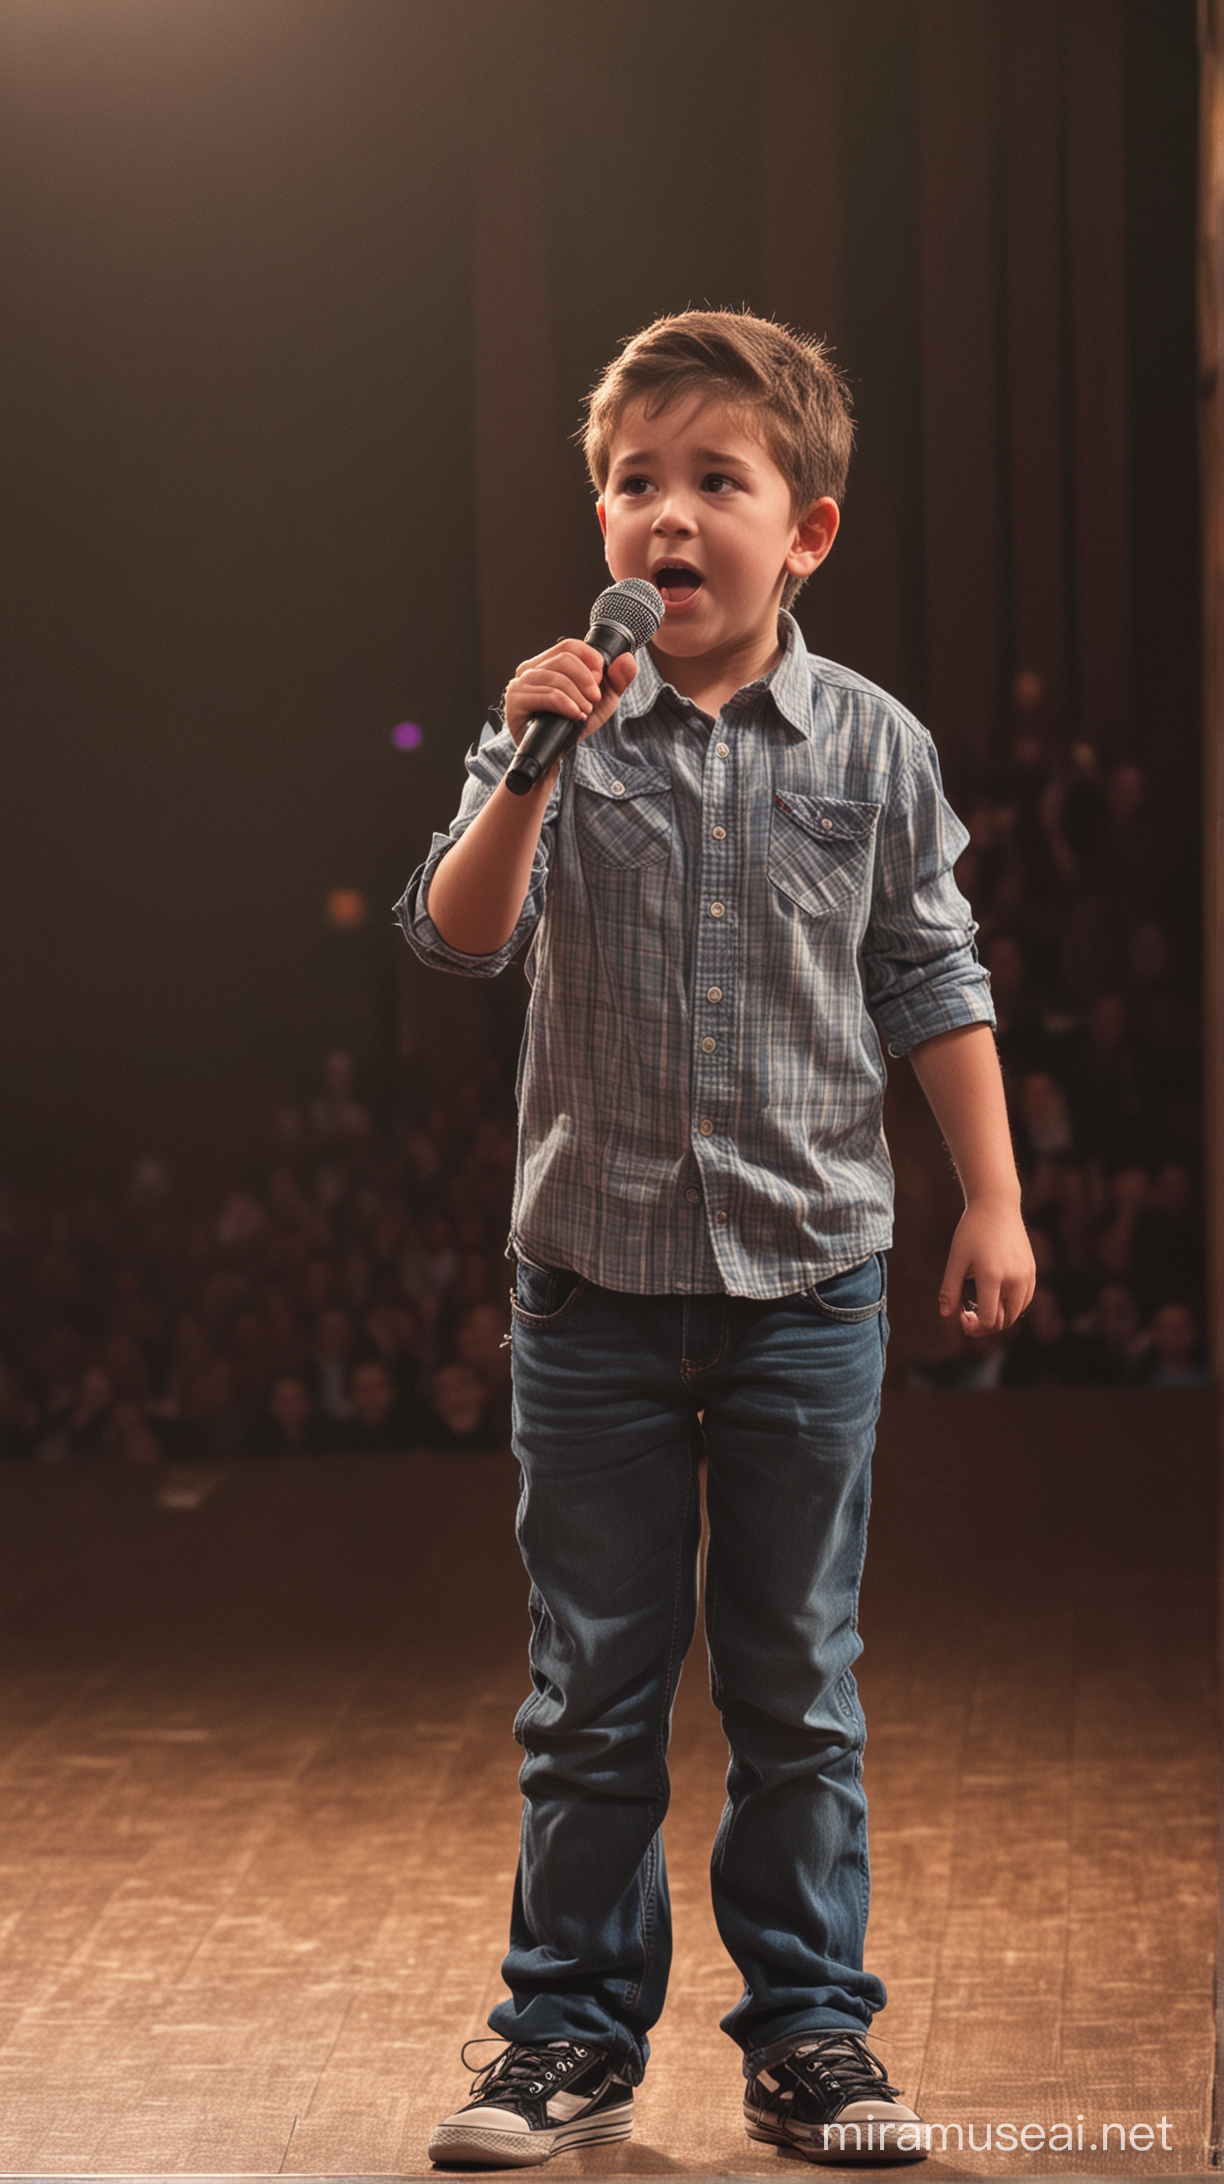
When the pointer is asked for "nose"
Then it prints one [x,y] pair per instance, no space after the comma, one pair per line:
[673,517]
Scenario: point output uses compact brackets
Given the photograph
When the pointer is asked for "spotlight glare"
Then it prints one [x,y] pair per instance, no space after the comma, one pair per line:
[344,908]
[407,736]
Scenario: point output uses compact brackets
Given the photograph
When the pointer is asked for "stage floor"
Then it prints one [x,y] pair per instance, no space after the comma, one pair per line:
[259,1810]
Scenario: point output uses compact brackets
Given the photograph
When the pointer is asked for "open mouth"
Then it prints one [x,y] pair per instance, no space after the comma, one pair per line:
[676,582]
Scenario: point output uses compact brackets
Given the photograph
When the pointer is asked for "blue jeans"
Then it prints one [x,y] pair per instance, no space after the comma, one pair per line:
[607,1394]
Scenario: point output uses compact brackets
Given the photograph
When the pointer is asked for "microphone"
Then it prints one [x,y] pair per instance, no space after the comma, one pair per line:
[625,616]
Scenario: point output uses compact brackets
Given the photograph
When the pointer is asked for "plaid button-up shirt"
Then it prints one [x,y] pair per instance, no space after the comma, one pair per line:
[719,918]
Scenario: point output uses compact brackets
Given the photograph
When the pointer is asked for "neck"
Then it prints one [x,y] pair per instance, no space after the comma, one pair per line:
[709,680]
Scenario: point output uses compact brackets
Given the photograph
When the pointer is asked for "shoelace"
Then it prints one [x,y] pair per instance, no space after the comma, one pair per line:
[843,2069]
[525,2069]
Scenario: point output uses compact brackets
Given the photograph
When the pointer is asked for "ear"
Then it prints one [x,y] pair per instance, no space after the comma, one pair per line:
[601,511]
[813,536]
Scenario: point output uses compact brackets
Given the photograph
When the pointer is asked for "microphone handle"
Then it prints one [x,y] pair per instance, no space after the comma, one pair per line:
[547,735]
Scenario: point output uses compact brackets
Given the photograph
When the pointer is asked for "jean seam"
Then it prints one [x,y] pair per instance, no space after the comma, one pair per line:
[650,1894]
[646,1922]
[864,1850]
[691,1369]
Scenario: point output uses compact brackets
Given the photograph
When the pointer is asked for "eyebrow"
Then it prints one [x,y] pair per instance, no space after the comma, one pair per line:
[703,454]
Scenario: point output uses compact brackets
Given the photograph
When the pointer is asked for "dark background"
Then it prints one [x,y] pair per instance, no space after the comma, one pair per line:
[301,300]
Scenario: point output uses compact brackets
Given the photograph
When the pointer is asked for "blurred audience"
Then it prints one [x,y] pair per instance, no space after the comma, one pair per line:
[1171,1355]
[341,1297]
[1086,895]
[291,1423]
[459,1413]
[378,1417]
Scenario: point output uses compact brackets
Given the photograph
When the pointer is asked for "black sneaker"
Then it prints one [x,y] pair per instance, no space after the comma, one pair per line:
[828,2098]
[529,2102]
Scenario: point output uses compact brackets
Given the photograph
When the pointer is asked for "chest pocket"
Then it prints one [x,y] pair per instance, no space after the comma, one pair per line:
[622,814]
[820,851]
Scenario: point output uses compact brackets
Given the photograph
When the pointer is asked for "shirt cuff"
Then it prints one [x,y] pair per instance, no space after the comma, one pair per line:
[426,941]
[945,1005]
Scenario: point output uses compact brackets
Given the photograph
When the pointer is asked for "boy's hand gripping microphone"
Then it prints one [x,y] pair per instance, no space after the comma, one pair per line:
[623,618]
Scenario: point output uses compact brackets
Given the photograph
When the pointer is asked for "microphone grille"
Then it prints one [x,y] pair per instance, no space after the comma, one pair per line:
[635,604]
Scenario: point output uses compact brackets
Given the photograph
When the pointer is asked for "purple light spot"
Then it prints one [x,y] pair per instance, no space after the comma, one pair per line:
[407,736]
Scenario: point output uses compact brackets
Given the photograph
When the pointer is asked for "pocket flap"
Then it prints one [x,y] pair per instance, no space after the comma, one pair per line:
[615,777]
[830,817]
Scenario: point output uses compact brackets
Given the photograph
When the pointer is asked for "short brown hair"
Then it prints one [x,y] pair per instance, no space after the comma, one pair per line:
[751,364]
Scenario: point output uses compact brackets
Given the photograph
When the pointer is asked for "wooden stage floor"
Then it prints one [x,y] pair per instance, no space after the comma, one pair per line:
[259,1806]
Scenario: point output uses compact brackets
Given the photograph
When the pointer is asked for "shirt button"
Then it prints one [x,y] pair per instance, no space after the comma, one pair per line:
[706,1128]
[719,833]
[721,1219]
[708,1045]
[723,750]
[618,788]
[714,993]
[827,824]
[718,910]
[692,1196]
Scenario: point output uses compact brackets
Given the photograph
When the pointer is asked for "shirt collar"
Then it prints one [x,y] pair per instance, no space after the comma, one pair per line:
[789,684]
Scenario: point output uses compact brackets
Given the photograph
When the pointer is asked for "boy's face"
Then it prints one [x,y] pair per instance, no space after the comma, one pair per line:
[696,504]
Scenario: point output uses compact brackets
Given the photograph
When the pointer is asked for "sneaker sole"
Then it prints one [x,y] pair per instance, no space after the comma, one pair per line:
[476,2145]
[768,2133]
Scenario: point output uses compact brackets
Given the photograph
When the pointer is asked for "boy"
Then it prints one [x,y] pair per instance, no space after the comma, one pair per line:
[747,851]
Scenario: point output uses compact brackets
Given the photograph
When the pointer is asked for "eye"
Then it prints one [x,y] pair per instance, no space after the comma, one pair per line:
[718,483]
[634,487]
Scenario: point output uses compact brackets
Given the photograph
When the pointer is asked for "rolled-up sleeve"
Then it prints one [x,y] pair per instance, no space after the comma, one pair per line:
[921,973]
[486,764]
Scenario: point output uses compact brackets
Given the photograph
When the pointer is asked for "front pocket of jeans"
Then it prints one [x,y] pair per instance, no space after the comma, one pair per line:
[820,851]
[542,1296]
[851,1314]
